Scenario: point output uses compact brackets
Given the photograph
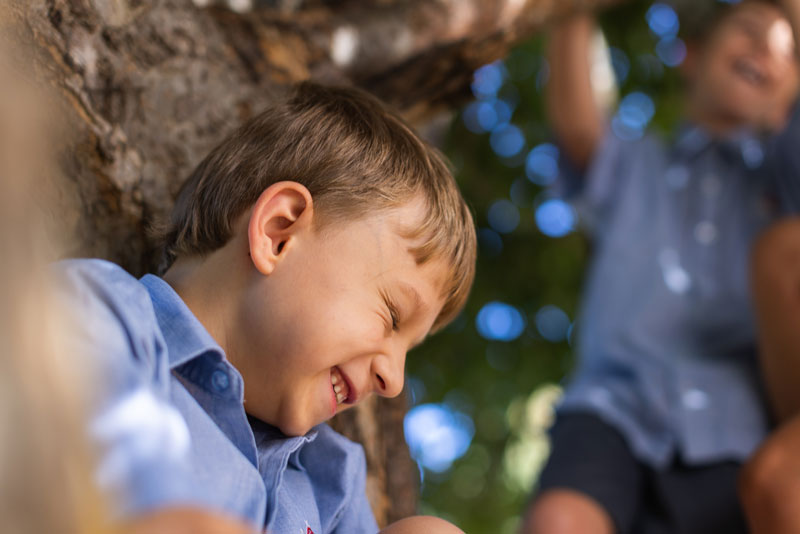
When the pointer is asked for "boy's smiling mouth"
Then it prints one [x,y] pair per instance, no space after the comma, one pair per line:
[343,391]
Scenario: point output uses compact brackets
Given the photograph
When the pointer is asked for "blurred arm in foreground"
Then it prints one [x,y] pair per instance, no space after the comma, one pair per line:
[47,467]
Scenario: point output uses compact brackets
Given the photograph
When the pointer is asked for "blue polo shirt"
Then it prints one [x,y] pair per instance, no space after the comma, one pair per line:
[666,341]
[168,420]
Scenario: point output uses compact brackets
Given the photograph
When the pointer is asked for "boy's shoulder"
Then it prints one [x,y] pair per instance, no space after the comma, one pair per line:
[105,306]
[96,277]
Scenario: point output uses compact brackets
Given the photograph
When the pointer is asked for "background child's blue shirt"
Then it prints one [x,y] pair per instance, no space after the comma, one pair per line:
[168,419]
[666,343]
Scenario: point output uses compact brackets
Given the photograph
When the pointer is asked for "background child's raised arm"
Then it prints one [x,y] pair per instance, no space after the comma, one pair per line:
[571,107]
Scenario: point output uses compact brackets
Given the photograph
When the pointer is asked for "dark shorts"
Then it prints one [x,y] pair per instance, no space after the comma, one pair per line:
[591,457]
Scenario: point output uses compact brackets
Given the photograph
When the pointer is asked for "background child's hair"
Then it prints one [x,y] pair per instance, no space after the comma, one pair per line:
[355,157]
[700,19]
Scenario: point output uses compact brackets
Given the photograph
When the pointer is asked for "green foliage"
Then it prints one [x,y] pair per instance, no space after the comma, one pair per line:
[485,378]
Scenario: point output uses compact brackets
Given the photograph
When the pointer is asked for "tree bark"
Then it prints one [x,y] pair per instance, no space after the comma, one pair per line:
[147,87]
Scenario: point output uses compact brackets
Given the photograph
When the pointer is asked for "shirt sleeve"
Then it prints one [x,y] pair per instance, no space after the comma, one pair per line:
[594,191]
[141,441]
[784,160]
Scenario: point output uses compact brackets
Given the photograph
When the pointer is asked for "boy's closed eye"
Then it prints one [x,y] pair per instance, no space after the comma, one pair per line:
[393,316]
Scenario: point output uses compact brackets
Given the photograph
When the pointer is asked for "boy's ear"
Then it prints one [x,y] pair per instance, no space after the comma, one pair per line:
[282,211]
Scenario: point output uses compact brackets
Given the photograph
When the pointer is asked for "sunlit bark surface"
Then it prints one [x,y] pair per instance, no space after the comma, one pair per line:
[148,86]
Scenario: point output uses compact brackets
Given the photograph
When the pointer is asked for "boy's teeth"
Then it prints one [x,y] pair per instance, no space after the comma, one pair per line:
[339,386]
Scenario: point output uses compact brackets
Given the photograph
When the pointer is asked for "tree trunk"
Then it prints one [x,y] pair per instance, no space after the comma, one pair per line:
[147,87]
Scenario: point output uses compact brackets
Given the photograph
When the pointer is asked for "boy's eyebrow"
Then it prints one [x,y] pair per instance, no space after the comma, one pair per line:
[418,305]
[412,293]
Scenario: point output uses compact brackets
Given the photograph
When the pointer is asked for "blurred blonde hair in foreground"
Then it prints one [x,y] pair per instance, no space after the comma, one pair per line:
[45,464]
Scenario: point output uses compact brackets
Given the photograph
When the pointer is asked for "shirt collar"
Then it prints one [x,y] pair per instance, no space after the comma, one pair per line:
[742,144]
[690,141]
[185,336]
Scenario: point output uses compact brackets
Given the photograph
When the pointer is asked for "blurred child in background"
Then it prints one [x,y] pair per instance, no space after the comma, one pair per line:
[666,402]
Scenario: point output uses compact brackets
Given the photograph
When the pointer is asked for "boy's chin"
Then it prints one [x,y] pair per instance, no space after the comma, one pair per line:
[295,430]
[297,427]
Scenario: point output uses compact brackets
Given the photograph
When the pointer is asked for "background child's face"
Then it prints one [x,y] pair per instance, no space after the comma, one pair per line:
[747,72]
[339,312]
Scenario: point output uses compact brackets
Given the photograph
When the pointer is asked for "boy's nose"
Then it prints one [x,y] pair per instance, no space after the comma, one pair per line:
[388,373]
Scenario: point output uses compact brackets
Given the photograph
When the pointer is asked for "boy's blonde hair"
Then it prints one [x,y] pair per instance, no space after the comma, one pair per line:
[355,157]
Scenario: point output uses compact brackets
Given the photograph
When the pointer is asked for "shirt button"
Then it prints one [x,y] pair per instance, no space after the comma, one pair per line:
[599,395]
[220,380]
[695,399]
[705,232]
[677,176]
[752,153]
[711,185]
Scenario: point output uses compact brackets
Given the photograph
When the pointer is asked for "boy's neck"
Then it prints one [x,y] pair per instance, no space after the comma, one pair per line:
[203,292]
[717,124]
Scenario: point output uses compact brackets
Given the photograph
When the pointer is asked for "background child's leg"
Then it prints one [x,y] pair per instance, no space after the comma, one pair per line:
[770,483]
[591,483]
[421,524]
[776,294]
[567,512]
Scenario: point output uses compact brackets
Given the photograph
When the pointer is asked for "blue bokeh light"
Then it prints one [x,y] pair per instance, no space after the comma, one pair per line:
[620,63]
[671,51]
[555,218]
[663,20]
[499,321]
[552,323]
[624,131]
[490,243]
[484,116]
[507,140]
[634,114]
[503,216]
[541,165]
[437,435]
[636,109]
[488,79]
